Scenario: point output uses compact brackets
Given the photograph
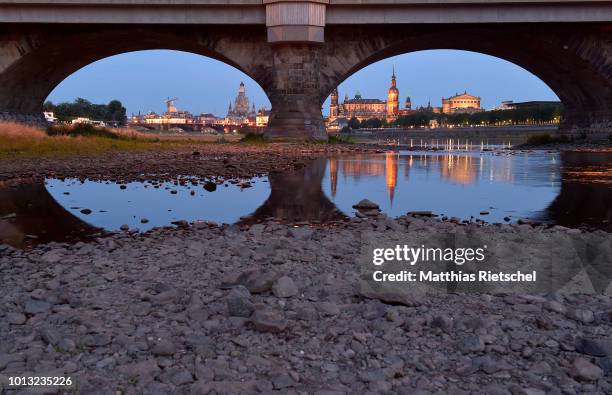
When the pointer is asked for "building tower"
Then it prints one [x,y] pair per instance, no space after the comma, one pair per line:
[408,103]
[333,105]
[392,99]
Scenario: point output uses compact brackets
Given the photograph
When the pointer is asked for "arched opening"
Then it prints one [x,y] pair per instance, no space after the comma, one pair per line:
[165,89]
[425,77]
[562,61]
[47,56]
[442,89]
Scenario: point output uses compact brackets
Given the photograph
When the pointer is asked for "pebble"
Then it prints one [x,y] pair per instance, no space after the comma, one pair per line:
[239,302]
[269,320]
[594,347]
[37,307]
[585,371]
[366,204]
[284,287]
[257,281]
[162,347]
[15,318]
[210,186]
[471,344]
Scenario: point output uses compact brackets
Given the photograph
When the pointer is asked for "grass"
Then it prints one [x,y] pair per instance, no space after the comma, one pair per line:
[253,138]
[22,141]
[332,139]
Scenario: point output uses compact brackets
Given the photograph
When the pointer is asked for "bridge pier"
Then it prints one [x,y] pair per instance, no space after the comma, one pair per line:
[296,34]
[32,118]
[592,125]
[295,94]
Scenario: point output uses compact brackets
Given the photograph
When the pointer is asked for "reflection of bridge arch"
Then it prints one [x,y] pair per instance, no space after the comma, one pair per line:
[297,196]
[586,191]
[38,214]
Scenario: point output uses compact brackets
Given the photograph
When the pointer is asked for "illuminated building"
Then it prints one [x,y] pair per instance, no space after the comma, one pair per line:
[262,117]
[241,110]
[174,118]
[392,99]
[363,109]
[461,103]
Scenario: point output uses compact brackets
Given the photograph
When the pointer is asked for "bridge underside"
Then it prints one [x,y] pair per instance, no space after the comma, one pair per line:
[575,60]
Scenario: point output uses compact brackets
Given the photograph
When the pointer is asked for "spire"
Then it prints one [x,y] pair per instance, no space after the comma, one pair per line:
[393,75]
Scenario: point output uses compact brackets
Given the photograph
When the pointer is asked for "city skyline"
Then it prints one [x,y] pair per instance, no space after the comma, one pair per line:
[424,76]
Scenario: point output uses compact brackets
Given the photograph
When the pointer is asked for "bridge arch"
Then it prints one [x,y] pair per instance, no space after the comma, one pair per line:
[40,60]
[573,59]
[454,71]
[143,81]
[572,65]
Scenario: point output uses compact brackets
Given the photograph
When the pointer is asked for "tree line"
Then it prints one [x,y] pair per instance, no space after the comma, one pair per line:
[543,114]
[112,113]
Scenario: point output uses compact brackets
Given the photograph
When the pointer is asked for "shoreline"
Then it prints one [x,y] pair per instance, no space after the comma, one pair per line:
[210,161]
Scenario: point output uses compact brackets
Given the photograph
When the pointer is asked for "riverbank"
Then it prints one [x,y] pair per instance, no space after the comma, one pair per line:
[204,308]
[18,141]
[203,161]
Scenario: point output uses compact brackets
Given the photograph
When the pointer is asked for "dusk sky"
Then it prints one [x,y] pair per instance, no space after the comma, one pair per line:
[143,80]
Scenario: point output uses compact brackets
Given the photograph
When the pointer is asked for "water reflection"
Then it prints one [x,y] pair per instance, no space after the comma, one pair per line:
[570,189]
[586,191]
[461,184]
[30,215]
[297,196]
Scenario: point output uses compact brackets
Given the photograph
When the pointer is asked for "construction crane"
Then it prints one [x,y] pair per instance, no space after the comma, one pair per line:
[170,107]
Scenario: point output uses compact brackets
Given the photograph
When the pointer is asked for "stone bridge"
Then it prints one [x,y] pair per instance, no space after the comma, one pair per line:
[299,50]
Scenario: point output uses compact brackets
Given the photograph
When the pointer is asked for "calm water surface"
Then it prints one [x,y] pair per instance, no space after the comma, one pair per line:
[571,189]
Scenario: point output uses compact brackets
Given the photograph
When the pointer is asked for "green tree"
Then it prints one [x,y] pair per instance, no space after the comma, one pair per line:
[113,112]
[354,123]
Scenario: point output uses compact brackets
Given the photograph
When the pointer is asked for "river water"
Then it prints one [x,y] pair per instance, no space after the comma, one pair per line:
[572,189]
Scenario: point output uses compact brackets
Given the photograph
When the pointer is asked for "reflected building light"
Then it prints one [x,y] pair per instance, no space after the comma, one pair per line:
[362,166]
[391,174]
[407,166]
[458,168]
[333,176]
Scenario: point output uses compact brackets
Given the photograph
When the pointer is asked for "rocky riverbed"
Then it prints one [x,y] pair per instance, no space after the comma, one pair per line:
[270,307]
[201,162]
